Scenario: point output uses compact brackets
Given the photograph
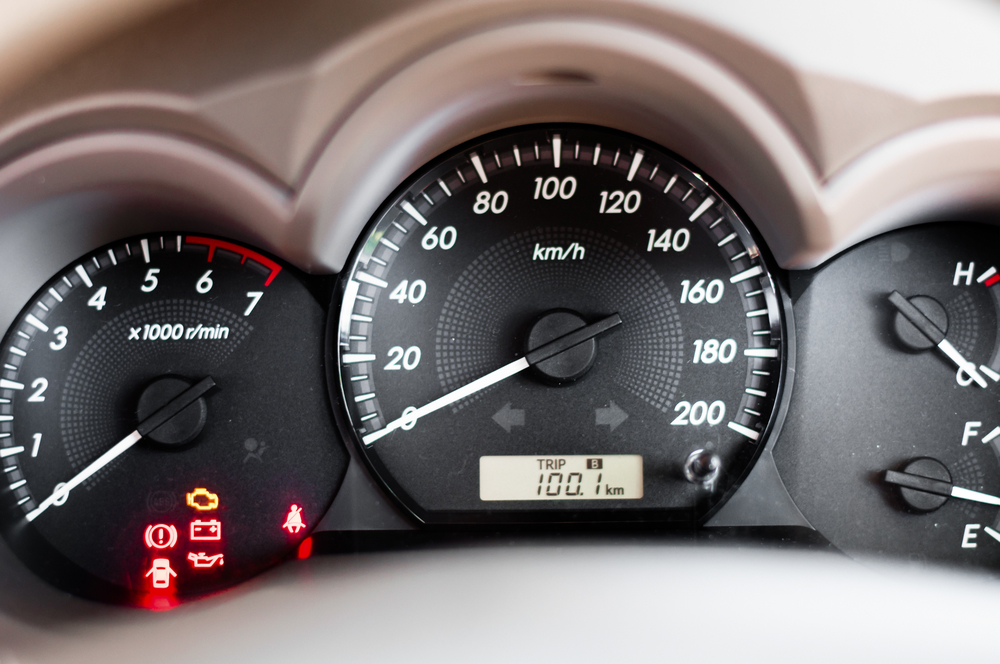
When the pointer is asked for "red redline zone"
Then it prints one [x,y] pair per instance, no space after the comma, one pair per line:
[992,280]
[214,244]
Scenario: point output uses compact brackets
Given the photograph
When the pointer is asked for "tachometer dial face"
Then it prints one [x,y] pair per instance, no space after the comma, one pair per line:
[558,323]
[895,448]
[164,425]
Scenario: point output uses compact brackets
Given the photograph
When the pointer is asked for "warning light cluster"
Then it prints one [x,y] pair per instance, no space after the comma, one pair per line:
[203,528]
[163,537]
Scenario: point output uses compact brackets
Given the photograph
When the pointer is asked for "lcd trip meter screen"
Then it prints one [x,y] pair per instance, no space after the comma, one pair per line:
[574,477]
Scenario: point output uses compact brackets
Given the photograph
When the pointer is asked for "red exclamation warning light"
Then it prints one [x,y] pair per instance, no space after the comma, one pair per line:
[293,521]
[160,536]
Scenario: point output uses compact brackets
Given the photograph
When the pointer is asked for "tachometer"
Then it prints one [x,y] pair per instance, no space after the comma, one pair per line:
[559,323]
[164,426]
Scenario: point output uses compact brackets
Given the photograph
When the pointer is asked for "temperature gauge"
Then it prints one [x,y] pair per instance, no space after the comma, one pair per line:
[895,448]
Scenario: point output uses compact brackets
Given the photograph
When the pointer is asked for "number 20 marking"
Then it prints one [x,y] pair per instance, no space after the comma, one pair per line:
[410,358]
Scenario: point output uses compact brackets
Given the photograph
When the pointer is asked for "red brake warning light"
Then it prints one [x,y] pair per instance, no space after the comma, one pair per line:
[161,536]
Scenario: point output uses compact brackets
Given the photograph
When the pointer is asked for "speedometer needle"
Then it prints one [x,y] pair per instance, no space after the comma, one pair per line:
[173,407]
[935,335]
[540,354]
[938,487]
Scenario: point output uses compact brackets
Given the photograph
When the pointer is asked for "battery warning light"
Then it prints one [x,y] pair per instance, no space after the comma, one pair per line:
[203,500]
[206,531]
[293,522]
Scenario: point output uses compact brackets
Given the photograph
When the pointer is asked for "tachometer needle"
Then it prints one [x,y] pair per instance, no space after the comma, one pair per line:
[172,408]
[935,335]
[540,354]
[938,487]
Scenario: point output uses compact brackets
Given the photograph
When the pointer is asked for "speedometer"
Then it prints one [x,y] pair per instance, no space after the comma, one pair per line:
[559,323]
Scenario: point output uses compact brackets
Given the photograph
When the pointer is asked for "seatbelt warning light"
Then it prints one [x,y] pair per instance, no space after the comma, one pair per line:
[293,521]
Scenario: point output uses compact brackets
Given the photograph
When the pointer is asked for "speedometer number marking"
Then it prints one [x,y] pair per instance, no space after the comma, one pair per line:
[487,202]
[617,202]
[681,239]
[550,187]
[699,292]
[406,292]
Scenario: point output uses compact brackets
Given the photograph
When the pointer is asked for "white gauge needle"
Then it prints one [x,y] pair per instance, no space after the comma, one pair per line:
[540,354]
[174,406]
[934,335]
[975,496]
[938,487]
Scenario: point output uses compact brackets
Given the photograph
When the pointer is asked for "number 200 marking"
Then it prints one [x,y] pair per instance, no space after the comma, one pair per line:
[699,412]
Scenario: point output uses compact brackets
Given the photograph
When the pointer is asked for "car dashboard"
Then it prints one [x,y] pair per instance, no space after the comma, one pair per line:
[499,330]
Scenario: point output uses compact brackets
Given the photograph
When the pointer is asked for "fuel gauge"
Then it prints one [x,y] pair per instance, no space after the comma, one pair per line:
[897,436]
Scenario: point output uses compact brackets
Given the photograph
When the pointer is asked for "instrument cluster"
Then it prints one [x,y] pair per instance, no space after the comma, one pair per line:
[585,306]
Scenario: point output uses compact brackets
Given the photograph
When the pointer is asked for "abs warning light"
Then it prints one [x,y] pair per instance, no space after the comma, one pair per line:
[293,522]
[203,500]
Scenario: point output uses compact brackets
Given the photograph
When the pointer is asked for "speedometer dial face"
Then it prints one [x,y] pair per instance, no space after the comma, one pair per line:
[164,426]
[559,323]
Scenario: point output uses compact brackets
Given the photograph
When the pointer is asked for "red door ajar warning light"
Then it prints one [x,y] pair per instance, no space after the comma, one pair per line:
[293,521]
[161,573]
[161,536]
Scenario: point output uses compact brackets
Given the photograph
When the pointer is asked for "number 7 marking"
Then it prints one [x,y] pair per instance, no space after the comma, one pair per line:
[255,298]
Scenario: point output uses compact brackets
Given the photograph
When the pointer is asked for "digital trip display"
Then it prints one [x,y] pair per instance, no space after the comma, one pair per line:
[573,477]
